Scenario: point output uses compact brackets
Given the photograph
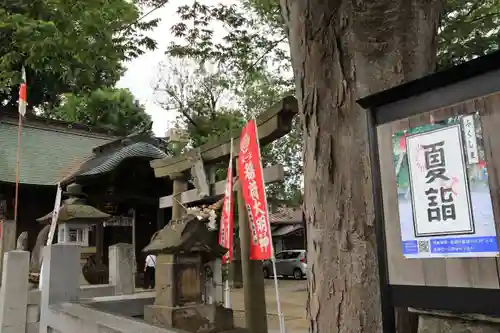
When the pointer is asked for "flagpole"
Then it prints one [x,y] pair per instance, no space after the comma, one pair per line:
[227,289]
[22,110]
[18,159]
[273,259]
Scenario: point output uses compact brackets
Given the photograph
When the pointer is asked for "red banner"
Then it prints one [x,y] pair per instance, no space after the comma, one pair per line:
[252,182]
[227,221]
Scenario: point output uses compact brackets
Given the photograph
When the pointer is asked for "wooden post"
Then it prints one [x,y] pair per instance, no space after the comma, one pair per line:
[99,242]
[179,186]
[253,279]
[160,218]
[134,261]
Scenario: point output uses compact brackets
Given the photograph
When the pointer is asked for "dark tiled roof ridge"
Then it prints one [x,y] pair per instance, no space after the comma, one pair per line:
[46,155]
[108,161]
[60,129]
[29,118]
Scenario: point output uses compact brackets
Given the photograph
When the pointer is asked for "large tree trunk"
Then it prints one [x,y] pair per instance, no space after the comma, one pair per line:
[343,50]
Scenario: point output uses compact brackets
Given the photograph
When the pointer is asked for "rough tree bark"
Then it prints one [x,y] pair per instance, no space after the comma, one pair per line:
[343,50]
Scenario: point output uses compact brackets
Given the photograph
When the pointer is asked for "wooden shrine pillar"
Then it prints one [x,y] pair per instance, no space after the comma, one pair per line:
[99,243]
[253,279]
[179,185]
[160,218]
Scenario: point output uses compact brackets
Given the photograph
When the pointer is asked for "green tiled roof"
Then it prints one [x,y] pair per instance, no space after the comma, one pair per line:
[48,154]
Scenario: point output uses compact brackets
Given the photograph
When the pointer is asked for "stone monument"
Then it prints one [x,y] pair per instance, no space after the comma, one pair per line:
[182,247]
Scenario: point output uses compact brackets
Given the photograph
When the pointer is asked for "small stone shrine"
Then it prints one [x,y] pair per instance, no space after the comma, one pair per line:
[182,247]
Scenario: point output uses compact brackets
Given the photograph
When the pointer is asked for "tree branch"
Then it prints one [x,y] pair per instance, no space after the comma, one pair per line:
[266,52]
[182,108]
[484,17]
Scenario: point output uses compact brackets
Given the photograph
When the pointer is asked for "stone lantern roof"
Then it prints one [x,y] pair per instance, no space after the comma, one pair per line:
[186,235]
[74,209]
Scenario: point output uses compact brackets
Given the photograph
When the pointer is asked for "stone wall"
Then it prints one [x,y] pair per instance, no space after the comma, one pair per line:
[33,305]
[18,314]
[72,317]
[33,312]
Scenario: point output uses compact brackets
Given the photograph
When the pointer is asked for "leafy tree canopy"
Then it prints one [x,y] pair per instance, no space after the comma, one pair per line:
[67,46]
[255,32]
[254,51]
[111,108]
[210,101]
[468,29]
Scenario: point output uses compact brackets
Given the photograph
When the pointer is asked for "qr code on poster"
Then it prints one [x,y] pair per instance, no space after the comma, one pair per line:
[423,246]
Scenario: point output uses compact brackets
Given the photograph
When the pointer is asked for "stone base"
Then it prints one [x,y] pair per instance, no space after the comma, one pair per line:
[199,318]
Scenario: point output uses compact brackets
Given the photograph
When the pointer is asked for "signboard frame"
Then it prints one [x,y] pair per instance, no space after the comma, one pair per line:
[452,92]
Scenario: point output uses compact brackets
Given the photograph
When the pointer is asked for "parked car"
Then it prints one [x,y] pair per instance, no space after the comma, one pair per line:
[288,263]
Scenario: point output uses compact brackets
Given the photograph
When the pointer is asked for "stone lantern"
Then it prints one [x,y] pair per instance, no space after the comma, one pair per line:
[75,217]
[74,221]
[181,248]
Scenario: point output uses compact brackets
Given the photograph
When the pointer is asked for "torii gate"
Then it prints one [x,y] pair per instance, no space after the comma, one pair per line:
[272,124]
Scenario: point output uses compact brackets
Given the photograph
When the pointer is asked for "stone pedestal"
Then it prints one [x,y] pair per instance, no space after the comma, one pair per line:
[164,276]
[200,318]
[182,248]
[214,292]
[178,298]
[14,285]
[60,272]
[121,268]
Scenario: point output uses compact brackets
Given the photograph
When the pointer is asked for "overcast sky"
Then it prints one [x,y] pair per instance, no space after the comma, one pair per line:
[142,72]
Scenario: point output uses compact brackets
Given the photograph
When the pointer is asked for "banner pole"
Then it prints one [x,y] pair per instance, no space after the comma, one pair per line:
[52,230]
[18,162]
[230,231]
[227,299]
[273,259]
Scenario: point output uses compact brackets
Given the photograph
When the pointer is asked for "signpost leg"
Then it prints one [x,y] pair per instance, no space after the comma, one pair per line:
[278,302]
[227,291]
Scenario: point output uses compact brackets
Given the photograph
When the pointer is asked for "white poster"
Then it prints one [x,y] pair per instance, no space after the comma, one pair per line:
[438,183]
[470,139]
[444,200]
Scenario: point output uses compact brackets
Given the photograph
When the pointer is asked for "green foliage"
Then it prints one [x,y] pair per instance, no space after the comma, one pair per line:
[211,101]
[255,32]
[247,48]
[110,108]
[468,29]
[250,61]
[67,46]
[254,51]
[196,92]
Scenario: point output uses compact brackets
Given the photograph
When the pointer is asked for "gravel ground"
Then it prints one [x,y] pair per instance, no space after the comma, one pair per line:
[293,296]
